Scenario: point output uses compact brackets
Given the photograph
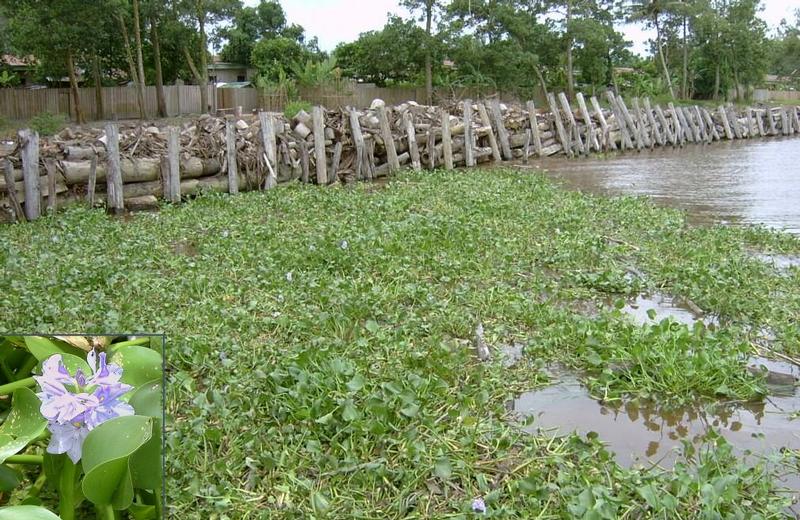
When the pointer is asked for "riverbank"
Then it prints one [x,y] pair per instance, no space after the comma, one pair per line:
[320,340]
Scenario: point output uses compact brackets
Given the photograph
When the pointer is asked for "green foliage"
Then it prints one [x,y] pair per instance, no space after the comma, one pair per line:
[47,123]
[271,56]
[316,74]
[8,79]
[313,391]
[294,107]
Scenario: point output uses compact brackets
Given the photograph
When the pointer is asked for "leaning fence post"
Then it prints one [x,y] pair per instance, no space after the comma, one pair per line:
[388,140]
[469,146]
[492,141]
[230,156]
[537,141]
[113,171]
[411,135]
[30,173]
[172,188]
[447,143]
[358,140]
[11,187]
[318,119]
[270,149]
[502,133]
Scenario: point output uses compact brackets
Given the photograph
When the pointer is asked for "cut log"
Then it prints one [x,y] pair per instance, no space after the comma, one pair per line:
[230,156]
[269,146]
[573,125]
[469,140]
[641,123]
[115,201]
[358,141]
[587,119]
[723,116]
[502,133]
[318,118]
[29,140]
[388,140]
[658,135]
[636,131]
[171,167]
[562,134]
[447,143]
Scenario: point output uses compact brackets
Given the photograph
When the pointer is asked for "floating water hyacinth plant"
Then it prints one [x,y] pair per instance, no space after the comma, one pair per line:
[81,427]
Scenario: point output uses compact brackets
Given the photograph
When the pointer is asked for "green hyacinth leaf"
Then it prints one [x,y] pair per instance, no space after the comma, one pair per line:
[23,424]
[27,513]
[139,364]
[146,463]
[43,348]
[106,459]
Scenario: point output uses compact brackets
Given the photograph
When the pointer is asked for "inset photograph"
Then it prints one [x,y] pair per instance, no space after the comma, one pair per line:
[81,427]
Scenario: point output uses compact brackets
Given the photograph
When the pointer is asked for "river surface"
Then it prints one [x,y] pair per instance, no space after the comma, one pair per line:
[731,182]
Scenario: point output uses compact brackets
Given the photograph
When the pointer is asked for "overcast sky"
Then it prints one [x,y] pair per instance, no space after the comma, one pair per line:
[336,21]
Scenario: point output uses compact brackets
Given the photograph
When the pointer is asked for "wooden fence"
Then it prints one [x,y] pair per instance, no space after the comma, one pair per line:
[762,94]
[120,102]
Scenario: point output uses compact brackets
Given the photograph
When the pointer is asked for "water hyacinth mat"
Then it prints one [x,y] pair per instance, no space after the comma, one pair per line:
[81,427]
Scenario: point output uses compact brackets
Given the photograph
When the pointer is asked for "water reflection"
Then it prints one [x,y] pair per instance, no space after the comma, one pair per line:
[754,182]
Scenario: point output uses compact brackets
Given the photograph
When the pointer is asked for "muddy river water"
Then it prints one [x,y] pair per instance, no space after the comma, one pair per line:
[740,182]
[752,182]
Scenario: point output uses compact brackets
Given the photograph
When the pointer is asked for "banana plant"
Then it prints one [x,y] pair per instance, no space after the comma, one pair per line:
[83,415]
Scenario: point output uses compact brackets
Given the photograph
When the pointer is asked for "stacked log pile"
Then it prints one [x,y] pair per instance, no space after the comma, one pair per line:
[133,165]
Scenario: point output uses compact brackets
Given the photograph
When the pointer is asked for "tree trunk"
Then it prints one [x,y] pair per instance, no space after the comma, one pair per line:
[139,63]
[73,86]
[428,58]
[570,76]
[663,59]
[126,42]
[160,99]
[685,76]
[541,80]
[98,89]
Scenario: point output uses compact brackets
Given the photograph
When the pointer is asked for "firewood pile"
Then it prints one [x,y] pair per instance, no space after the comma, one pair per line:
[345,145]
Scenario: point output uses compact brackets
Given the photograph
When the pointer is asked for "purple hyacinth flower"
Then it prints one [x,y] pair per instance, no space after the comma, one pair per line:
[75,405]
[478,505]
[67,438]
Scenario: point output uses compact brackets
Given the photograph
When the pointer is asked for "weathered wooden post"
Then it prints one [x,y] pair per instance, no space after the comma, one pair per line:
[502,133]
[304,161]
[592,141]
[388,140]
[431,144]
[680,135]
[11,188]
[113,172]
[90,189]
[658,136]
[50,168]
[171,167]
[469,141]
[318,118]
[526,148]
[750,126]
[270,149]
[760,123]
[337,156]
[230,156]
[29,139]
[635,131]
[666,133]
[486,121]
[562,134]
[573,125]
[411,135]
[447,143]
[771,121]
[701,125]
[358,140]
[796,118]
[537,140]
[725,123]
[714,135]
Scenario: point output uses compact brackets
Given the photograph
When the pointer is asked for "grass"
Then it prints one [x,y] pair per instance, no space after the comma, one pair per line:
[318,341]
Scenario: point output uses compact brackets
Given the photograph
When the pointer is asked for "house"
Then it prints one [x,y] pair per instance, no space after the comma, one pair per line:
[24,68]
[226,72]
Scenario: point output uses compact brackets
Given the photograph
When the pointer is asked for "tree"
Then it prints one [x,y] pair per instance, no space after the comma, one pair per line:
[785,48]
[275,55]
[427,7]
[250,24]
[199,15]
[651,12]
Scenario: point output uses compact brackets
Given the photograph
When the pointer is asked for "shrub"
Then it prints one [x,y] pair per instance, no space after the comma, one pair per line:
[294,107]
[47,123]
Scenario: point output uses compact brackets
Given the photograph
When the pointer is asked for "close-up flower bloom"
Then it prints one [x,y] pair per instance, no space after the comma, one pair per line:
[478,505]
[75,405]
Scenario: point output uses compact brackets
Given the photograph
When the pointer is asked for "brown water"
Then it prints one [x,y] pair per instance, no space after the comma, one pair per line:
[749,182]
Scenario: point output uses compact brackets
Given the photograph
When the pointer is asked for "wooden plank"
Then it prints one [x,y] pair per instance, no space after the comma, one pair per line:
[172,186]
[562,135]
[573,125]
[469,141]
[537,141]
[11,188]
[711,125]
[723,116]
[658,135]
[269,144]
[431,145]
[526,148]
[92,182]
[641,122]
[230,156]
[411,135]
[502,133]
[50,168]
[358,140]
[680,136]
[625,139]
[321,162]
[635,131]
[447,143]
[388,140]
[666,132]
[113,171]
[29,140]
[486,121]
[694,112]
[587,119]
[371,159]
[304,161]
[337,156]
